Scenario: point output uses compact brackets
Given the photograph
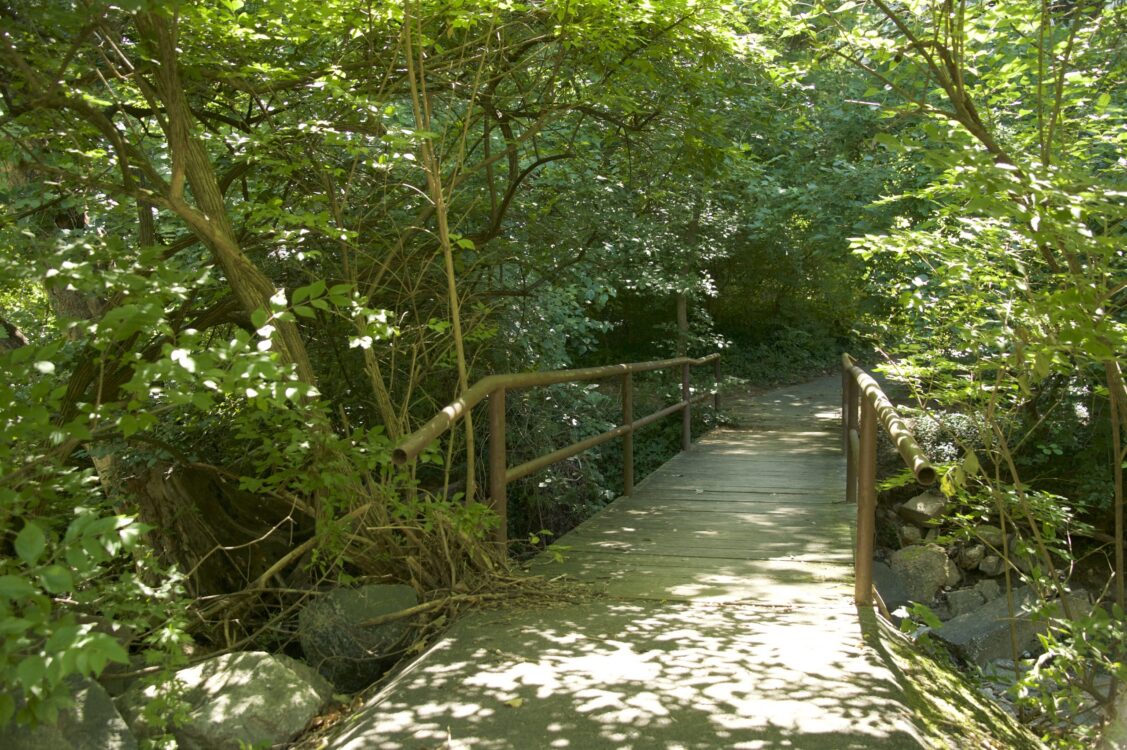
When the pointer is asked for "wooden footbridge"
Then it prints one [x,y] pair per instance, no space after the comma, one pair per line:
[726,607]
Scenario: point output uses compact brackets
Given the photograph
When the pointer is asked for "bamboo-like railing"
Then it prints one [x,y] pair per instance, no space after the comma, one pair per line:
[864,405]
[494,388]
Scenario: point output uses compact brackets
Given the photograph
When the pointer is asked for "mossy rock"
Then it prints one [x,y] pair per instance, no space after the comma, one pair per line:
[337,644]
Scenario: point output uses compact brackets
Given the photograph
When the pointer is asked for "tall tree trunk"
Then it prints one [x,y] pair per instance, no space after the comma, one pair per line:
[209,218]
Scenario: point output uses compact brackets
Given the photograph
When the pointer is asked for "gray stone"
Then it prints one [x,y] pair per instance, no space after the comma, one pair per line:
[989,589]
[992,565]
[337,644]
[1024,562]
[970,556]
[924,569]
[92,723]
[983,635]
[910,535]
[989,535]
[889,586]
[924,509]
[964,600]
[1114,735]
[238,700]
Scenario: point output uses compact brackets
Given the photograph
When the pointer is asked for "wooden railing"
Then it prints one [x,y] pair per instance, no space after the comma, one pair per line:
[864,406]
[495,387]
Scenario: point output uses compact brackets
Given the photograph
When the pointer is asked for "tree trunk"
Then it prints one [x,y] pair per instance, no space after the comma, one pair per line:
[209,219]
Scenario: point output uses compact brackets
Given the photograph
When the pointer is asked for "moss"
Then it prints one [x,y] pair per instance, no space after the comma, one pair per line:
[951,713]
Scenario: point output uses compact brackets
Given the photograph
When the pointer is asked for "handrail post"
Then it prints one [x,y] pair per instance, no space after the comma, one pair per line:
[497,463]
[628,438]
[686,406]
[716,392]
[866,504]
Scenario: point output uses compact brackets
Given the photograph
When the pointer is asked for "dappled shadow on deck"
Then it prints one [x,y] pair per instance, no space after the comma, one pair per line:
[722,617]
[644,675]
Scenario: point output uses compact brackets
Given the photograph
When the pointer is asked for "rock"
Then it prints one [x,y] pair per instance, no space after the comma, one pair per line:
[989,535]
[910,535]
[248,698]
[970,556]
[889,586]
[1114,735]
[1024,562]
[992,565]
[924,569]
[954,576]
[92,723]
[989,589]
[963,601]
[983,635]
[924,509]
[348,654]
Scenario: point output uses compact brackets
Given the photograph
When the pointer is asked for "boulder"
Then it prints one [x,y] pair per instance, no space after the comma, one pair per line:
[238,700]
[924,569]
[910,535]
[92,723]
[989,535]
[924,509]
[971,556]
[964,600]
[954,576]
[992,565]
[337,644]
[983,635]
[1114,736]
[989,589]
[889,586]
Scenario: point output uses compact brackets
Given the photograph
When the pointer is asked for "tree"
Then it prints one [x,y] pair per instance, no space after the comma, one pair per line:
[1012,284]
[248,305]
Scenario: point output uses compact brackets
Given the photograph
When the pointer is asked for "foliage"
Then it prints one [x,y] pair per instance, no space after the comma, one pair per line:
[246,247]
[1008,287]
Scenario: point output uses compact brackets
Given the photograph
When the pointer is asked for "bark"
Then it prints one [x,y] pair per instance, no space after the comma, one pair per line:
[13,338]
[209,218]
[219,535]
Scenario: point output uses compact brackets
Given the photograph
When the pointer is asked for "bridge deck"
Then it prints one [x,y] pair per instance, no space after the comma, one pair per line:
[723,617]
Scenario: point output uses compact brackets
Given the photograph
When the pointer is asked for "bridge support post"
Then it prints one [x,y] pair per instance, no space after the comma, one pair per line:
[628,438]
[866,503]
[498,492]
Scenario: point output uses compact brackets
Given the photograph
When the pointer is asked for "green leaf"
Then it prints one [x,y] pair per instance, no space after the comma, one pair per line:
[56,579]
[30,543]
[31,670]
[970,464]
[889,142]
[108,647]
[316,289]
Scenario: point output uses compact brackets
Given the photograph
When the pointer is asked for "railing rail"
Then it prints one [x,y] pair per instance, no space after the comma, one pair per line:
[495,387]
[864,405]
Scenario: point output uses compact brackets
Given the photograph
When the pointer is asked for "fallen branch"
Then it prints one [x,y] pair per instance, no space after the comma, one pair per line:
[419,609]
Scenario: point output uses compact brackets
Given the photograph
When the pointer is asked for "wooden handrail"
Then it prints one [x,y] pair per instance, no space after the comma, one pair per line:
[495,387]
[864,406]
